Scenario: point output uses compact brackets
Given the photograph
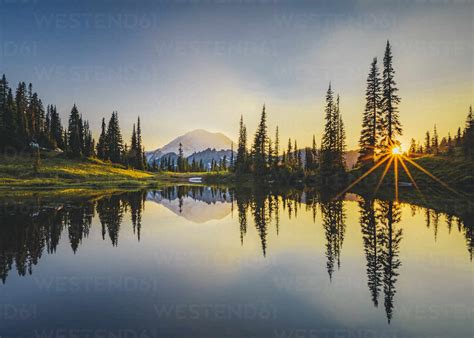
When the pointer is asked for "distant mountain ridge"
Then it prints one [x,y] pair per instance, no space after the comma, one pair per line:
[193,142]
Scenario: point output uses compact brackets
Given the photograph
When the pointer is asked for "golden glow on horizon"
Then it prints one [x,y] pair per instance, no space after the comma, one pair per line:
[395,153]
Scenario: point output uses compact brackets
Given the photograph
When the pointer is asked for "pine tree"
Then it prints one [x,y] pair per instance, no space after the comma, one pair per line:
[289,154]
[435,142]
[241,160]
[21,104]
[132,154]
[314,154]
[231,164]
[89,143]
[56,128]
[468,137]
[3,106]
[140,153]
[259,148]
[114,144]
[331,144]
[75,140]
[390,98]
[371,120]
[427,143]
[181,159]
[277,148]
[413,147]
[458,137]
[450,147]
[341,137]
[101,145]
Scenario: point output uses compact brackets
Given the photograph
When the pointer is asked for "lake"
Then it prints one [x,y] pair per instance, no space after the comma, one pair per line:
[191,261]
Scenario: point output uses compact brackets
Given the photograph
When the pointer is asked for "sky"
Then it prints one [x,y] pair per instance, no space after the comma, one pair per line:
[187,64]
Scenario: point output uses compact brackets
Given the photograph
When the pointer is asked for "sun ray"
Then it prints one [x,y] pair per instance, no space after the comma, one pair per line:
[419,167]
[387,167]
[411,178]
[362,177]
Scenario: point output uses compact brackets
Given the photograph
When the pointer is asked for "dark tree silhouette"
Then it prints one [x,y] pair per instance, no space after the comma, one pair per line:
[371,120]
[390,98]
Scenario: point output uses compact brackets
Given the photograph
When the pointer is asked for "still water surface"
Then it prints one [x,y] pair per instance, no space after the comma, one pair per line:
[204,262]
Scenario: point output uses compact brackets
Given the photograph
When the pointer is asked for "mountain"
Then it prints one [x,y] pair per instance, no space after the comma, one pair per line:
[192,142]
[198,205]
[351,158]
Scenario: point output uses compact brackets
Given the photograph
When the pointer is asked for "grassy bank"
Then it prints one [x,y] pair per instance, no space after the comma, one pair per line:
[61,173]
[456,173]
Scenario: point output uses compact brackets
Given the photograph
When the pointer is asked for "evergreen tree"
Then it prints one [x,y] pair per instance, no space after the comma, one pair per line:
[458,137]
[450,146]
[140,153]
[259,148]
[277,148]
[114,144]
[331,161]
[468,138]
[427,143]
[133,148]
[181,159]
[413,147]
[89,143]
[371,120]
[231,165]
[56,128]
[241,161]
[75,133]
[435,142]
[341,137]
[10,134]
[101,145]
[390,98]
[21,104]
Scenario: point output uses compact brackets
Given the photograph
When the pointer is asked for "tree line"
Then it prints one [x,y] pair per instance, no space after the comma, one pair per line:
[380,127]
[461,145]
[26,124]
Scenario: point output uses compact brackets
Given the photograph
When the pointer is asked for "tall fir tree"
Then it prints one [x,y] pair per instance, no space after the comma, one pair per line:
[56,128]
[241,162]
[101,144]
[435,141]
[330,160]
[341,137]
[75,133]
[390,98]
[259,148]
[114,143]
[140,154]
[468,137]
[371,119]
[276,149]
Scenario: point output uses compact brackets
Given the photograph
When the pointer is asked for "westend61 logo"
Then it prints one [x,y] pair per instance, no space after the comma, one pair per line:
[216,311]
[17,312]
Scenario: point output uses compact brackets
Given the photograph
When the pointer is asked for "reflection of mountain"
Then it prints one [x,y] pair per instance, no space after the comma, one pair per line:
[196,204]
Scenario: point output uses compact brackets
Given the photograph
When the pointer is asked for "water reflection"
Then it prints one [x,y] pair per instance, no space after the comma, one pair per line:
[31,229]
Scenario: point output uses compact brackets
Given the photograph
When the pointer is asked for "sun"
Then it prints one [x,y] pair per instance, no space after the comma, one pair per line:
[397,150]
[393,154]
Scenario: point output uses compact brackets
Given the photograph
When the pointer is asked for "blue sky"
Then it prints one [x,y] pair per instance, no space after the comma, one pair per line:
[188,64]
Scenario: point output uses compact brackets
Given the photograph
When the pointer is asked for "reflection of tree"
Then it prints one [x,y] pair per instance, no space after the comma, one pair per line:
[334,227]
[242,210]
[136,202]
[389,215]
[110,210]
[371,239]
[26,232]
[78,222]
[260,216]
